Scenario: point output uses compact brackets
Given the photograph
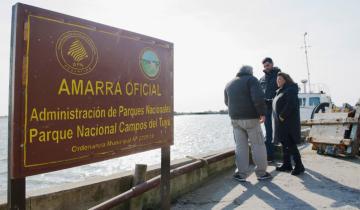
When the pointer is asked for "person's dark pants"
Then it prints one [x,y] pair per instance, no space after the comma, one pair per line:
[269,135]
[289,149]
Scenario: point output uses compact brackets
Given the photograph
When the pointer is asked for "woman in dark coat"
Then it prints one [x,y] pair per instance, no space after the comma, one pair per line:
[287,122]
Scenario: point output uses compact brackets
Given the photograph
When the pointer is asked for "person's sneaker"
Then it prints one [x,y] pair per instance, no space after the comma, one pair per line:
[284,168]
[239,178]
[265,176]
[298,170]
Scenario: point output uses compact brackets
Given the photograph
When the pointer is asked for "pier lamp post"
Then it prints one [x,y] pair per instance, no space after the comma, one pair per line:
[304,81]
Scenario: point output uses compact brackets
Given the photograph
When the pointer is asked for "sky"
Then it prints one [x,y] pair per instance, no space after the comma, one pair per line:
[213,39]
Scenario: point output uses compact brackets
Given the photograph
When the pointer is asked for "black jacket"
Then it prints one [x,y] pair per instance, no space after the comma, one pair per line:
[244,97]
[286,106]
[269,85]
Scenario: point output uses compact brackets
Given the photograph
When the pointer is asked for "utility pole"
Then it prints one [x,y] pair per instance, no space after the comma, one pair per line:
[307,61]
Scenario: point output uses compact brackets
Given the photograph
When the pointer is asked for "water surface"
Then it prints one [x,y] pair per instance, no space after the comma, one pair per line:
[194,135]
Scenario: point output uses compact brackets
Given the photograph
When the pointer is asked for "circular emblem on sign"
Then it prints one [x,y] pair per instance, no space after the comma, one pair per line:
[76,52]
[149,63]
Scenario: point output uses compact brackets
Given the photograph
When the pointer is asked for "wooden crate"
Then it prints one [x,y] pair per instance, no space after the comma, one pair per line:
[335,133]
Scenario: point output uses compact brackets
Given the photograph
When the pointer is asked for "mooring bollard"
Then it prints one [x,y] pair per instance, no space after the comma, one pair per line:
[139,177]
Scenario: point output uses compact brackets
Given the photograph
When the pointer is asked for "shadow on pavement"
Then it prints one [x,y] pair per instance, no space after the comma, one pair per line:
[278,199]
[322,185]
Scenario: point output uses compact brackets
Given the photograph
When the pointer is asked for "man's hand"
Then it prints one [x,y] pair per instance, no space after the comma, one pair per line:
[262,119]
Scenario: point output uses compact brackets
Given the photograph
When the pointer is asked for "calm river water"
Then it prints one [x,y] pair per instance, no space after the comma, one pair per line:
[194,135]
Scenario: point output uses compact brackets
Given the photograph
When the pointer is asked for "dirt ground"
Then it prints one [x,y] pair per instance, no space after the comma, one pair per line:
[328,183]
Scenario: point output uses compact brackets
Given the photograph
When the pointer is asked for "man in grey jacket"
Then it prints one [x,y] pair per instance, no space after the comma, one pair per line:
[245,100]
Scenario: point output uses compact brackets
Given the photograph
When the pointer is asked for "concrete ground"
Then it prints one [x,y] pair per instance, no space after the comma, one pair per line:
[328,183]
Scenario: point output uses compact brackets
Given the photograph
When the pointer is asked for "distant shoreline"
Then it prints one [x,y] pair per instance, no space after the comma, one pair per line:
[198,113]
[181,113]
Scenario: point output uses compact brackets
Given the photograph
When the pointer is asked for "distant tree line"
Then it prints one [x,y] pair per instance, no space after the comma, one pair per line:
[202,113]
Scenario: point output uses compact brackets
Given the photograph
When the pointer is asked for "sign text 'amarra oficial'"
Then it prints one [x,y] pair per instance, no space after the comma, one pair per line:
[85,92]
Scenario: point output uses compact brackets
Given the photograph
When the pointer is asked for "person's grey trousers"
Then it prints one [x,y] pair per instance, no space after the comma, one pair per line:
[246,131]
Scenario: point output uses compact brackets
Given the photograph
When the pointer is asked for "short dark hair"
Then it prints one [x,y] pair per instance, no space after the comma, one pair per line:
[267,60]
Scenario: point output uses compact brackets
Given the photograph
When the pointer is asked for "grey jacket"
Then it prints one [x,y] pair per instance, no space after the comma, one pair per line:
[244,97]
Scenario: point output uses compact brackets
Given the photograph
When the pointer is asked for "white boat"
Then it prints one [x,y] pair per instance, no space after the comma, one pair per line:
[311,103]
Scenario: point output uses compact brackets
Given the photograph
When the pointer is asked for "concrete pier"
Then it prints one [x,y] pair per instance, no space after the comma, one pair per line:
[328,183]
[93,191]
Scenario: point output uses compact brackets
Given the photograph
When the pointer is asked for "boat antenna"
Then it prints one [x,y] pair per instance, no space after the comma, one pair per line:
[307,61]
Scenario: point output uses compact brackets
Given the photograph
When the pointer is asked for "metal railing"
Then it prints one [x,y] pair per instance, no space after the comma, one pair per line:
[154,182]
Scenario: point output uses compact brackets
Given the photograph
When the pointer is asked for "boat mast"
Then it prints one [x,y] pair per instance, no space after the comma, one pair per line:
[307,61]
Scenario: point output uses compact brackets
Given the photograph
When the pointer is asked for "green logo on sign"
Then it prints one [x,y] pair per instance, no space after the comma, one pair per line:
[150,63]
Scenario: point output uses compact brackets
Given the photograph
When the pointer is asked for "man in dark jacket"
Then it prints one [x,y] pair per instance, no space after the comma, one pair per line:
[245,101]
[269,86]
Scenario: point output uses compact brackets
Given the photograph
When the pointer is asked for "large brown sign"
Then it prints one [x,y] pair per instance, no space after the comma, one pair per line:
[82,92]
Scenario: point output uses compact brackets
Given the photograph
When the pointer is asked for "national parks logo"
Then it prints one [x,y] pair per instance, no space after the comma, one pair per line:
[149,63]
[76,52]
